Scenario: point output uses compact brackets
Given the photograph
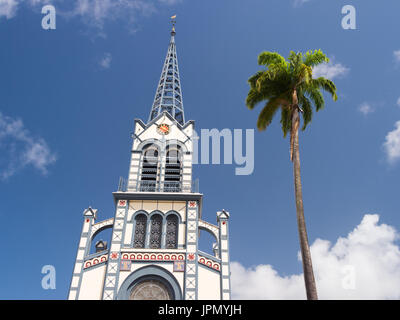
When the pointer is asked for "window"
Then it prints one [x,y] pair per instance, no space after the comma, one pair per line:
[150,290]
[171,239]
[148,232]
[140,231]
[155,231]
[172,175]
[149,169]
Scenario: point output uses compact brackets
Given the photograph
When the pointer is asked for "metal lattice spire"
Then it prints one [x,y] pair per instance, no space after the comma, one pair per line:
[168,96]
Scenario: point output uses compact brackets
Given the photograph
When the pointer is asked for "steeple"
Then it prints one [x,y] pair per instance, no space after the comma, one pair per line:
[152,252]
[168,95]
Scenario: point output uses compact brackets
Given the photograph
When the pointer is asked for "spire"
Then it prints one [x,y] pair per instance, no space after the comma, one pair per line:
[168,96]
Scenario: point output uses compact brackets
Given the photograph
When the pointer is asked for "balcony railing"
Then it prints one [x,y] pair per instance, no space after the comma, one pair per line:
[153,186]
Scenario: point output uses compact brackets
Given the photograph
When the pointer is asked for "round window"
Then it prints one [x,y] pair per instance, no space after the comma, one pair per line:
[150,290]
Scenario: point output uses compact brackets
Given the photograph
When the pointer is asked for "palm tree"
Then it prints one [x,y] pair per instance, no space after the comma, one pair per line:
[288,85]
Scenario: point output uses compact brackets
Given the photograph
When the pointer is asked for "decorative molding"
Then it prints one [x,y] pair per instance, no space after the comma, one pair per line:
[213,229]
[100,226]
[95,261]
[153,256]
[209,263]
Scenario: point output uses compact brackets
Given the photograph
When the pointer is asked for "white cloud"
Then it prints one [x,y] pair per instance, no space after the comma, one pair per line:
[8,8]
[39,2]
[392,144]
[363,265]
[398,102]
[93,13]
[396,55]
[97,12]
[298,3]
[366,108]
[105,61]
[170,2]
[19,149]
[330,70]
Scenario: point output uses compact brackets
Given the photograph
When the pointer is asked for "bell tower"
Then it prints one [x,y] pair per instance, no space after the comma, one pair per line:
[153,252]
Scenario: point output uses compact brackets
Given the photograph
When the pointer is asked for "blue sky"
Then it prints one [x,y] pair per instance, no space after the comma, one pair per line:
[68,98]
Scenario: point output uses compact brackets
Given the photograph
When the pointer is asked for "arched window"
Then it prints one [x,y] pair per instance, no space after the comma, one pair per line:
[140,231]
[173,168]
[155,231]
[171,239]
[148,179]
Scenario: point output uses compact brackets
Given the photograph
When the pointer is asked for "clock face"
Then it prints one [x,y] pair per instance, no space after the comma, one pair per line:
[163,128]
[150,290]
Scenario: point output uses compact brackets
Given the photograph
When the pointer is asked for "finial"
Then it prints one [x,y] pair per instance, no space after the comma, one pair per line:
[173,21]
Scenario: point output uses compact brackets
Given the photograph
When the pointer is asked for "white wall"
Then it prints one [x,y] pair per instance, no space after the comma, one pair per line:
[209,284]
[92,283]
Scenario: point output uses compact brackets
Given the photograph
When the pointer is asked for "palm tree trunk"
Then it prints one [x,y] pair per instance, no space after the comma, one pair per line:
[309,279]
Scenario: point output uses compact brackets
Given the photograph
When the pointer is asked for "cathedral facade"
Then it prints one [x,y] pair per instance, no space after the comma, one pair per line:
[153,253]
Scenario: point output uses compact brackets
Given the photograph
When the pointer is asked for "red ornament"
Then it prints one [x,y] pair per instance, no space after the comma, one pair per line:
[122,203]
[192,204]
[114,255]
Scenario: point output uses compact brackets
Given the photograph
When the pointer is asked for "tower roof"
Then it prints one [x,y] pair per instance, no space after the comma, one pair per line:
[168,95]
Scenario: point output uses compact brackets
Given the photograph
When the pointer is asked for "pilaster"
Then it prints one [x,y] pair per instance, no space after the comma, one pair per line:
[191,271]
[83,250]
[114,257]
[223,222]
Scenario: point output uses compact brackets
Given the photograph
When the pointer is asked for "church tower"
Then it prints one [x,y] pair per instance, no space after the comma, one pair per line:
[153,253]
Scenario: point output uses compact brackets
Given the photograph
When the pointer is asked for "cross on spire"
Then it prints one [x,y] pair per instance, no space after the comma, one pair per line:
[168,97]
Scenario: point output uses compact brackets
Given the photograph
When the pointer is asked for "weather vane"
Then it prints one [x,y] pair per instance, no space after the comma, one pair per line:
[173,21]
